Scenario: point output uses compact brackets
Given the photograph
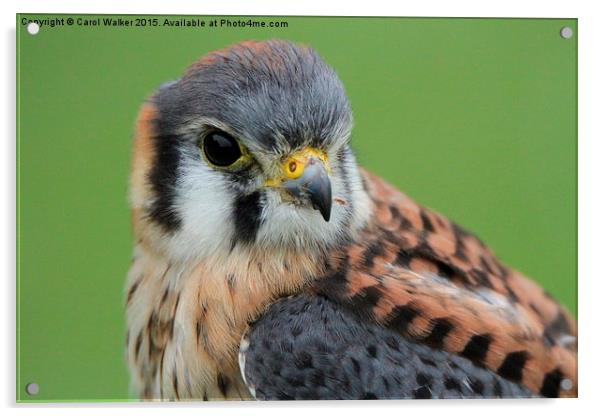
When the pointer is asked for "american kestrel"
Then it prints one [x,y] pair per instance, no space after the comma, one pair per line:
[269,265]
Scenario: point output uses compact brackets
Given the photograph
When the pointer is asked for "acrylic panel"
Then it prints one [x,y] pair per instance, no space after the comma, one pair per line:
[244,192]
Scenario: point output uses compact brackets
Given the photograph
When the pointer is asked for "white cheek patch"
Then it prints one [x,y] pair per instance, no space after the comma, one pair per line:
[204,204]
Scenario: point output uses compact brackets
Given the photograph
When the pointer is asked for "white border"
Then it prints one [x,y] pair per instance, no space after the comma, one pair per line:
[590,207]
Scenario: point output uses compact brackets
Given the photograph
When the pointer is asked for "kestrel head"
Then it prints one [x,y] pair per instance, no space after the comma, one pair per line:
[250,147]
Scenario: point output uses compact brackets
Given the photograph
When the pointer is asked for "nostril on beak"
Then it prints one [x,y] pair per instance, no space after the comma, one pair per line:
[314,185]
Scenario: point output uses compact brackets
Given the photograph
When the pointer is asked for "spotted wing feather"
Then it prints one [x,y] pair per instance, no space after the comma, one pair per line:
[307,347]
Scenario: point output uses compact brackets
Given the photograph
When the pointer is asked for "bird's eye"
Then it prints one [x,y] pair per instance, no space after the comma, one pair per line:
[221,149]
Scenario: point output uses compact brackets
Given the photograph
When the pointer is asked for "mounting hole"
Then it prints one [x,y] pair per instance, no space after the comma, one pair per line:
[32,389]
[566,32]
[33,28]
[566,384]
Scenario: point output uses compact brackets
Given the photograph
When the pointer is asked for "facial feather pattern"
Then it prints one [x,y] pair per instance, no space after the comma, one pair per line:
[274,98]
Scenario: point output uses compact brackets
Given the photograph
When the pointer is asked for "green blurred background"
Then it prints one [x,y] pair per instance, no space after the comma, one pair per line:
[475,118]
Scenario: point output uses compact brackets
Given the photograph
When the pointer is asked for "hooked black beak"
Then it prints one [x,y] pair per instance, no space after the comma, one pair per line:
[313,184]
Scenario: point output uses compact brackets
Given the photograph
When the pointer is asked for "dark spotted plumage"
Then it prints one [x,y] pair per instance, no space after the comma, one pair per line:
[307,347]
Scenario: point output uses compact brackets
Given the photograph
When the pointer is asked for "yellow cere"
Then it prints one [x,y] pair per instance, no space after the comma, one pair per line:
[294,165]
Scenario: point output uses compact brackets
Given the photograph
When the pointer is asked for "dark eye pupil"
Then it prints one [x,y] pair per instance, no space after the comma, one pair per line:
[221,149]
